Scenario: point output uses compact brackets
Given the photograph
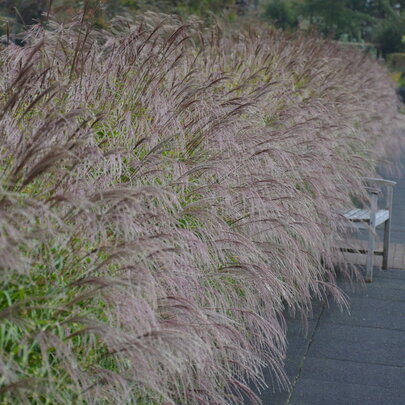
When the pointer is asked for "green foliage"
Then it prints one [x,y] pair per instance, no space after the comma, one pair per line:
[381,21]
[388,36]
[396,61]
[20,14]
[401,81]
[282,13]
[38,334]
[24,12]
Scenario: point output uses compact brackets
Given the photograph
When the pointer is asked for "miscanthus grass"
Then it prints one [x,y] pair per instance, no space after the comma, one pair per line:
[167,190]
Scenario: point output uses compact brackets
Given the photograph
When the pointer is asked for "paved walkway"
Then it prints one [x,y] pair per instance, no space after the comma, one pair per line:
[350,359]
[355,358]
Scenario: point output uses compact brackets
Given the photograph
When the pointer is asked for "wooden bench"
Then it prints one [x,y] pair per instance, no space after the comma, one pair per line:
[370,218]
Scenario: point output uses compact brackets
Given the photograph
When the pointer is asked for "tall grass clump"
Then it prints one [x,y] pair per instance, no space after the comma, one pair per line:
[167,190]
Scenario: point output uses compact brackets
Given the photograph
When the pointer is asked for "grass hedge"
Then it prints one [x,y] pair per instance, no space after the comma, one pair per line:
[167,191]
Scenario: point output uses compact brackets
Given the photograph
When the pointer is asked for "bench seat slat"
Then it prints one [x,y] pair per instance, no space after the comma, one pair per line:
[349,214]
[358,215]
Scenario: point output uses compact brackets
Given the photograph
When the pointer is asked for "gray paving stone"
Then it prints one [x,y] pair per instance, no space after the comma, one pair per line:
[297,346]
[317,307]
[398,235]
[348,372]
[382,293]
[396,274]
[392,274]
[379,289]
[364,351]
[274,394]
[369,312]
[314,392]
[356,334]
[274,398]
[392,397]
[298,341]
[293,366]
[389,283]
[295,327]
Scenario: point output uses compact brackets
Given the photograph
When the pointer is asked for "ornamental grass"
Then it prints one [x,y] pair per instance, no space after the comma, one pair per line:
[168,191]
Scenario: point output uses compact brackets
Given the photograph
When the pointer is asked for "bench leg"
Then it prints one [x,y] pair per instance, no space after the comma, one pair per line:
[370,256]
[387,236]
[371,240]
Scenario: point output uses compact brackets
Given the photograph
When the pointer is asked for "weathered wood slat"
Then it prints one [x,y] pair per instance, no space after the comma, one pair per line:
[361,251]
[358,215]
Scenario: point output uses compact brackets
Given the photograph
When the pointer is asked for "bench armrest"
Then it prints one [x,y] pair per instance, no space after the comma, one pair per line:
[389,184]
[379,181]
[373,190]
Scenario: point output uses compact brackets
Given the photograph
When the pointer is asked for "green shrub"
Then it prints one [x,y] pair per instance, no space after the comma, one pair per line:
[396,61]
[388,36]
[282,13]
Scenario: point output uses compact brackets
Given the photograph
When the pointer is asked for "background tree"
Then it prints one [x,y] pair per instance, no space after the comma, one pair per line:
[16,14]
[20,13]
[26,12]
[380,21]
[283,13]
